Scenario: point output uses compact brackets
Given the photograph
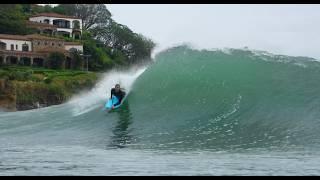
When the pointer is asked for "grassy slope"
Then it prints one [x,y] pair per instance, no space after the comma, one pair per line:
[48,87]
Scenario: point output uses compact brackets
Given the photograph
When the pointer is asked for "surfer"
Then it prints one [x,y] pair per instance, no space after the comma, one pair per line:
[116,91]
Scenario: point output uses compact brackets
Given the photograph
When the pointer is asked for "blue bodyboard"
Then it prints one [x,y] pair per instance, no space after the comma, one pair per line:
[114,100]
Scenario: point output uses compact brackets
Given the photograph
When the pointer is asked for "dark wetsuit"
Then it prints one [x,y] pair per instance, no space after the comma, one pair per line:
[120,95]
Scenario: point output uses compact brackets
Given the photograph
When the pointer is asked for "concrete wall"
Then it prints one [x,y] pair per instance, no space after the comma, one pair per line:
[15,43]
[44,44]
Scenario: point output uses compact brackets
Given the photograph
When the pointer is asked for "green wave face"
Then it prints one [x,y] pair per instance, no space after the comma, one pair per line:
[188,100]
[216,100]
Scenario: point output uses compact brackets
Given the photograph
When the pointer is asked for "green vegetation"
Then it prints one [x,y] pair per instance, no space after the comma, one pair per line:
[11,17]
[21,73]
[45,86]
[56,59]
[77,60]
[109,43]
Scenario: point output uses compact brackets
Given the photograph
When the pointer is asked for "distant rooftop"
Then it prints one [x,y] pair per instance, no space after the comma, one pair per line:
[13,37]
[72,43]
[50,49]
[37,36]
[54,15]
[27,37]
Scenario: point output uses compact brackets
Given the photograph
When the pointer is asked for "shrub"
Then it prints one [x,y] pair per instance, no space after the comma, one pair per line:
[20,76]
[56,60]
[77,60]
[48,80]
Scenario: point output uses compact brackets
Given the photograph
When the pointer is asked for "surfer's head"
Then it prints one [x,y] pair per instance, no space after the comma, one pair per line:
[117,87]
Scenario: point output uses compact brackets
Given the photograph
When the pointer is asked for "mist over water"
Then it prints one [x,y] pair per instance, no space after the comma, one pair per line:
[191,112]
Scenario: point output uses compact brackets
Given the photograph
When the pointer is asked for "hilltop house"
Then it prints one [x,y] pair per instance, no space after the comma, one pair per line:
[57,24]
[33,50]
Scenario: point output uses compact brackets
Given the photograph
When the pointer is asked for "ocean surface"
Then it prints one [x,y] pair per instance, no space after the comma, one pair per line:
[191,112]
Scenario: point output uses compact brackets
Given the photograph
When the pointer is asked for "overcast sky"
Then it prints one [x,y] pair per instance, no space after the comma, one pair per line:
[280,29]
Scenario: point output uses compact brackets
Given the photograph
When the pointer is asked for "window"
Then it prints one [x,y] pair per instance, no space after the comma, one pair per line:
[3,46]
[52,44]
[38,43]
[46,43]
[16,47]
[73,50]
[12,47]
[59,44]
[25,47]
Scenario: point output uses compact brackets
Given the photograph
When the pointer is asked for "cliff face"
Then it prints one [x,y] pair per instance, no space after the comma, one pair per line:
[7,96]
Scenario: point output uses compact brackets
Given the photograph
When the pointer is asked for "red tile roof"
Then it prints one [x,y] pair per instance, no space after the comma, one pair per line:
[14,37]
[21,53]
[28,37]
[37,36]
[72,43]
[54,15]
[51,49]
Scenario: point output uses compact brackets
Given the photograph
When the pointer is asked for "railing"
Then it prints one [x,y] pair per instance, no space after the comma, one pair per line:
[20,53]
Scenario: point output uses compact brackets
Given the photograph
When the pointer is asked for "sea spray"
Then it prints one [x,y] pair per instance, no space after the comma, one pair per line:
[87,101]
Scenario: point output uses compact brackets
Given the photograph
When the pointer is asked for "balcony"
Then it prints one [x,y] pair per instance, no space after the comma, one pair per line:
[60,23]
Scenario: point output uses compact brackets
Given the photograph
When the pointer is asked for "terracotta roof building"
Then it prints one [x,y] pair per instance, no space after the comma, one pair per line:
[55,15]
[34,49]
[64,25]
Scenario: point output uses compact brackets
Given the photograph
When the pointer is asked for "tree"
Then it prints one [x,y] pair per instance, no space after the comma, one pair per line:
[59,10]
[48,9]
[142,48]
[11,17]
[77,60]
[100,55]
[121,38]
[119,58]
[56,60]
[99,60]
[26,8]
[93,15]
[35,9]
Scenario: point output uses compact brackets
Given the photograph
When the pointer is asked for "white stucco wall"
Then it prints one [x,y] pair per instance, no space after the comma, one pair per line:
[78,47]
[42,18]
[37,19]
[16,42]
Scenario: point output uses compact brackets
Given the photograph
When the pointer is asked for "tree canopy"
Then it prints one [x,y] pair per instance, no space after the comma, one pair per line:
[13,20]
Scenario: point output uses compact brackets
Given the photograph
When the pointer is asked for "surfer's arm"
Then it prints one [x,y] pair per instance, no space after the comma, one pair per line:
[123,95]
[120,99]
[117,104]
[112,91]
